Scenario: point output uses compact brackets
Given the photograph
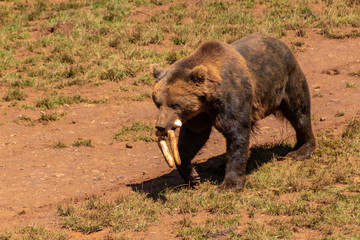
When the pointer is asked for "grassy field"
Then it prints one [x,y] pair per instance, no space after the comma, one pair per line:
[48,48]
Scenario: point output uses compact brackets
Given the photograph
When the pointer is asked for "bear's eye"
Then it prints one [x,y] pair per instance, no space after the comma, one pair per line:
[174,106]
[157,103]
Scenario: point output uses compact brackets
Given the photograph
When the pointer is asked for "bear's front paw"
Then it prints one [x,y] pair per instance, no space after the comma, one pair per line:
[194,179]
[189,175]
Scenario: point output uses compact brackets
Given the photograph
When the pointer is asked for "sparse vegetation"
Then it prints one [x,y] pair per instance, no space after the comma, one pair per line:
[23,118]
[59,145]
[355,74]
[141,97]
[56,100]
[317,95]
[14,94]
[352,130]
[27,106]
[124,88]
[68,51]
[138,131]
[144,79]
[340,114]
[351,85]
[82,142]
[293,195]
[34,232]
[48,117]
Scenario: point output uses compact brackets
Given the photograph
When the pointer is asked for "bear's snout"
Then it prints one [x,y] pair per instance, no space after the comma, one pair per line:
[165,119]
[160,128]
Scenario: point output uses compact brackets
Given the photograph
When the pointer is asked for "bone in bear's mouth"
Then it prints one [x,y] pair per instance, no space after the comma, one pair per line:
[170,159]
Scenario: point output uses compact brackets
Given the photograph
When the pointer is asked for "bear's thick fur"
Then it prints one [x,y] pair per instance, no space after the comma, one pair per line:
[231,87]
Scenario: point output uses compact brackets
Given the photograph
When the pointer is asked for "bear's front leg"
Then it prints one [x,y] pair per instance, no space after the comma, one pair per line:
[190,142]
[237,136]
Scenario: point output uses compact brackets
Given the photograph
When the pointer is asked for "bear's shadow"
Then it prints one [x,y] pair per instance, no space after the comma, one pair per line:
[213,169]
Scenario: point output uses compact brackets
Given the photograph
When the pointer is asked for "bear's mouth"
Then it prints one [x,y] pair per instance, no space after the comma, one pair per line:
[174,157]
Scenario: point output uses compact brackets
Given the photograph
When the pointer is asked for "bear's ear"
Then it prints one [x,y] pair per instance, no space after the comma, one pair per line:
[155,70]
[199,74]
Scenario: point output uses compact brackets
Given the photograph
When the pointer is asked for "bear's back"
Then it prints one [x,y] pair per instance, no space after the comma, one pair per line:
[209,53]
[260,50]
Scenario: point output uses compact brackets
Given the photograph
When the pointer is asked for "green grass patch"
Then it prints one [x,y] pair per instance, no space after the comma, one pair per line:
[352,129]
[138,131]
[50,117]
[56,100]
[14,94]
[146,79]
[355,74]
[340,114]
[318,95]
[82,142]
[22,117]
[140,97]
[27,106]
[24,120]
[33,232]
[17,81]
[81,42]
[350,85]
[133,212]
[59,145]
[5,235]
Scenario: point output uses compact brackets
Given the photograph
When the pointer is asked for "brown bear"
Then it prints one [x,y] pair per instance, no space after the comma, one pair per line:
[231,87]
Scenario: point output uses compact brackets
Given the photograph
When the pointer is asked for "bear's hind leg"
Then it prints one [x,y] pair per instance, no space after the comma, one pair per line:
[190,143]
[296,109]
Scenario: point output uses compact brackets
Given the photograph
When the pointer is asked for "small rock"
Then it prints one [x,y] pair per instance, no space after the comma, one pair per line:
[129,145]
[97,178]
[322,119]
[58,175]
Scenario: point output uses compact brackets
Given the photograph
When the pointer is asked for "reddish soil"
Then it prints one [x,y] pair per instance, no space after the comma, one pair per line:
[35,177]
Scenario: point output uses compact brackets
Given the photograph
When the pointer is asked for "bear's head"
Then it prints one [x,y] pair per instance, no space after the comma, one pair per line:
[178,93]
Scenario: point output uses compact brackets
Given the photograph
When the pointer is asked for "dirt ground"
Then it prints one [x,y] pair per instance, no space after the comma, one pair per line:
[35,177]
